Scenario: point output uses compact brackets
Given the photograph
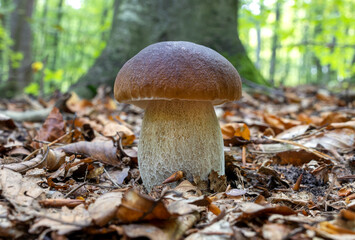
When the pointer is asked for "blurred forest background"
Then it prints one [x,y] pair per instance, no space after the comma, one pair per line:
[48,45]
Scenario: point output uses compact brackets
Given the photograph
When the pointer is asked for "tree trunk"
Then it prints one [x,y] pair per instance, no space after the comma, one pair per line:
[56,34]
[137,24]
[258,37]
[274,44]
[20,76]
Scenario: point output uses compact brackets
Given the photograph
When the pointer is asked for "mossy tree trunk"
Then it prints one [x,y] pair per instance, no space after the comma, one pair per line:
[139,23]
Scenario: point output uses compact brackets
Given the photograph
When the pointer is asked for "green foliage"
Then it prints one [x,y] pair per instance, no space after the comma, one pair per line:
[310,33]
[16,58]
[315,40]
[33,89]
[82,33]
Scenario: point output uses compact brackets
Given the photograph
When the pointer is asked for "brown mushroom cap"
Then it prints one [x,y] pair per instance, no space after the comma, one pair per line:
[177,70]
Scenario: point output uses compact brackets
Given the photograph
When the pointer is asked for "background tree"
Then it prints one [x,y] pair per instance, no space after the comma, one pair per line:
[137,24]
[315,39]
[20,74]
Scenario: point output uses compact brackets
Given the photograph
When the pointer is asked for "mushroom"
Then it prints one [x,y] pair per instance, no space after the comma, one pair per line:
[177,83]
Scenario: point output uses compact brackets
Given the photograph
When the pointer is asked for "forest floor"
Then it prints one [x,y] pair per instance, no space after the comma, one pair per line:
[290,165]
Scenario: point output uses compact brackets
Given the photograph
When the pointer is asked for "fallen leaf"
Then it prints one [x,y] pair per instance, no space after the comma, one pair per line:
[344,192]
[334,229]
[18,190]
[349,124]
[218,183]
[64,221]
[52,128]
[105,207]
[275,231]
[173,229]
[333,117]
[6,123]
[293,132]
[230,130]
[338,139]
[102,151]
[253,210]
[136,207]
[219,230]
[236,192]
[295,157]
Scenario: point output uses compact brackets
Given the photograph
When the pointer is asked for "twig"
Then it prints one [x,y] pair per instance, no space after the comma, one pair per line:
[111,179]
[74,189]
[49,145]
[315,152]
[346,177]
[331,186]
[31,116]
[244,157]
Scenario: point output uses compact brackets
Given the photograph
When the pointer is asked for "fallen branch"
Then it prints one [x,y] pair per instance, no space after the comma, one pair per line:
[30,115]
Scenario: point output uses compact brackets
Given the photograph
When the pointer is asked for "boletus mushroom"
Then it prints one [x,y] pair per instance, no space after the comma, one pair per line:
[177,83]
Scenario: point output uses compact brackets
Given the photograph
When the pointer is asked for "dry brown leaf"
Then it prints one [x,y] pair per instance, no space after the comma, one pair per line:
[9,229]
[112,128]
[333,117]
[20,150]
[172,229]
[289,123]
[275,231]
[293,132]
[221,230]
[230,130]
[305,119]
[6,123]
[295,157]
[236,192]
[188,189]
[101,151]
[338,139]
[253,210]
[105,207]
[344,192]
[274,122]
[51,160]
[81,121]
[218,183]
[20,191]
[63,221]
[292,97]
[120,176]
[334,229]
[349,124]
[77,105]
[136,207]
[347,215]
[52,128]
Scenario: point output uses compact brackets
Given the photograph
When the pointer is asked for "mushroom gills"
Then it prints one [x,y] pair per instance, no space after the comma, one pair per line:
[179,135]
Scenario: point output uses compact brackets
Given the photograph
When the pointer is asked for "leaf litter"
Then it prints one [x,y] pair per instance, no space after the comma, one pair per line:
[69,170]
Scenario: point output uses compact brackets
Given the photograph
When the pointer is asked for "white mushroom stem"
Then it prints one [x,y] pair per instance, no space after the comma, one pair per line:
[179,135]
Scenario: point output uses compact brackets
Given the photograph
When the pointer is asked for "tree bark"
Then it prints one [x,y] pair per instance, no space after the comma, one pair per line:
[137,24]
[20,76]
[274,44]
[258,38]
[56,34]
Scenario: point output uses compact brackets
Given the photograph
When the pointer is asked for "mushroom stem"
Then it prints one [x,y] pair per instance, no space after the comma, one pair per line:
[179,135]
